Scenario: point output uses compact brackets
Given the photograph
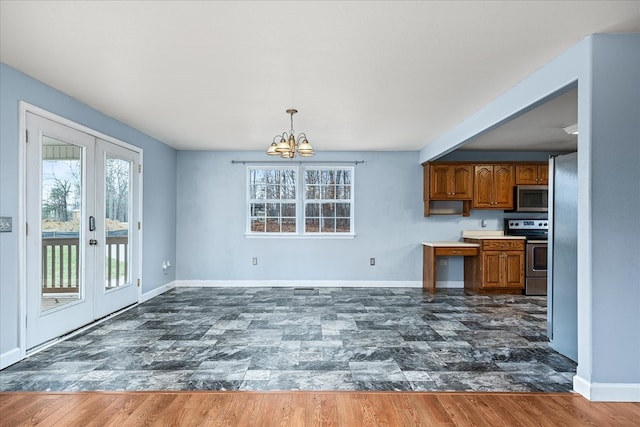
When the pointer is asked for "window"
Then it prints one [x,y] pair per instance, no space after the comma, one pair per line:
[327,200]
[301,200]
[272,200]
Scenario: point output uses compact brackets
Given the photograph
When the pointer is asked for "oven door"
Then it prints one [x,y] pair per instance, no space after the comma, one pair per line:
[536,259]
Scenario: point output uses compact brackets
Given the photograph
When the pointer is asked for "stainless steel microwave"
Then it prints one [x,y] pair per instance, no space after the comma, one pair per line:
[532,198]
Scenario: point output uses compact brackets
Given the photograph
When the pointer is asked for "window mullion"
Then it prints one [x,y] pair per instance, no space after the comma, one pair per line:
[300,198]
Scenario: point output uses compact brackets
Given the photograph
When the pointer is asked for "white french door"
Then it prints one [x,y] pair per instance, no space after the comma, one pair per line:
[82,239]
[116,230]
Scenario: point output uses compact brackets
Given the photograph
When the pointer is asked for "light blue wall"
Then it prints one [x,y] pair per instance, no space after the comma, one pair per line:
[614,120]
[159,218]
[211,223]
[389,224]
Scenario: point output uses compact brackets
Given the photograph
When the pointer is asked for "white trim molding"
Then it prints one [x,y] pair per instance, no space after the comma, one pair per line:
[299,283]
[607,392]
[10,357]
[146,296]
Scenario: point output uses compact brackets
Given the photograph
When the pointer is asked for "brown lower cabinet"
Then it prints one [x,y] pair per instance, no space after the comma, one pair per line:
[498,268]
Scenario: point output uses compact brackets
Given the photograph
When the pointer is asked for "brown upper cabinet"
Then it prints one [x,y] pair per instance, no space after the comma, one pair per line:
[476,185]
[450,182]
[532,174]
[493,186]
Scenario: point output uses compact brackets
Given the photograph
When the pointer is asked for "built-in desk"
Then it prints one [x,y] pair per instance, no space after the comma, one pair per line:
[433,249]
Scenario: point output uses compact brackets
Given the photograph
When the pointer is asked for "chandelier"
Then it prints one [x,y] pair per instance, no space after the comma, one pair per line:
[285,145]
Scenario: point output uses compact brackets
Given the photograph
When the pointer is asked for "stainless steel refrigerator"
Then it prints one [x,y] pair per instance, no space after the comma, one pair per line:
[562,284]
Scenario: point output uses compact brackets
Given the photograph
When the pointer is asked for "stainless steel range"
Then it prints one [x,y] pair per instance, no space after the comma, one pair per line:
[536,232]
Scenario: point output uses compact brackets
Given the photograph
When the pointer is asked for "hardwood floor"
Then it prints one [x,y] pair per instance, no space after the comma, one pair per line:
[307,408]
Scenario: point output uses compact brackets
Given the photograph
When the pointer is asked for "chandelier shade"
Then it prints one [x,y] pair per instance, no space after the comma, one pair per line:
[286,145]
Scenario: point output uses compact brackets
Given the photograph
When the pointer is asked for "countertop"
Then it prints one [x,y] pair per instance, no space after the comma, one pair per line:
[489,237]
[488,234]
[451,244]
[474,234]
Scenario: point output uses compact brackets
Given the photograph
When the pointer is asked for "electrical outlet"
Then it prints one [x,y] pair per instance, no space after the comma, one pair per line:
[444,262]
[484,223]
[166,265]
[254,261]
[5,223]
[372,261]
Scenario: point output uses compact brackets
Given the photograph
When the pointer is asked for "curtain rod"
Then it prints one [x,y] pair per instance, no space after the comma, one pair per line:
[262,162]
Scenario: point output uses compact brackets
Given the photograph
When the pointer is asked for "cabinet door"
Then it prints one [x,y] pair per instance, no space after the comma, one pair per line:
[503,269]
[503,187]
[526,174]
[532,174]
[512,269]
[462,181]
[440,182]
[491,266]
[483,187]
[543,174]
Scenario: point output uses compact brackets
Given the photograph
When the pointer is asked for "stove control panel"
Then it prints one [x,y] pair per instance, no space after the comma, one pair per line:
[527,224]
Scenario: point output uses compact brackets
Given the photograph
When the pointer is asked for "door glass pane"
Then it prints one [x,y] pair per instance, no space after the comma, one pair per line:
[117,212]
[62,207]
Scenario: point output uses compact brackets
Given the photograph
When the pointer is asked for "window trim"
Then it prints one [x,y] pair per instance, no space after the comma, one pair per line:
[299,203]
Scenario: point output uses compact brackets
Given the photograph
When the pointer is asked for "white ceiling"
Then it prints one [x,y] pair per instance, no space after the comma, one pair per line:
[380,75]
[539,129]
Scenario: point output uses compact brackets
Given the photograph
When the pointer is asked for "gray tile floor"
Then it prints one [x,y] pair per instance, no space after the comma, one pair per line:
[308,339]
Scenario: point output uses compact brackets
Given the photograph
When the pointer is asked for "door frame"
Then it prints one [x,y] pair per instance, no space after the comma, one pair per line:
[25,108]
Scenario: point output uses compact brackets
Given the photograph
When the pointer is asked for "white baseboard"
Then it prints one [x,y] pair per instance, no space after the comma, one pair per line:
[10,357]
[157,291]
[299,283]
[607,392]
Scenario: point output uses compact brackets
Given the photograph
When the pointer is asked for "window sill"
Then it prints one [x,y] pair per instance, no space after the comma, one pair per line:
[300,236]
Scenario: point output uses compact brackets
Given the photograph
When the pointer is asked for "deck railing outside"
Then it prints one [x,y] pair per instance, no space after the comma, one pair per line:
[61,269]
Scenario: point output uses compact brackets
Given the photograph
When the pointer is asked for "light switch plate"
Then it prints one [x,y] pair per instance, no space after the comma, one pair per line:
[5,223]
